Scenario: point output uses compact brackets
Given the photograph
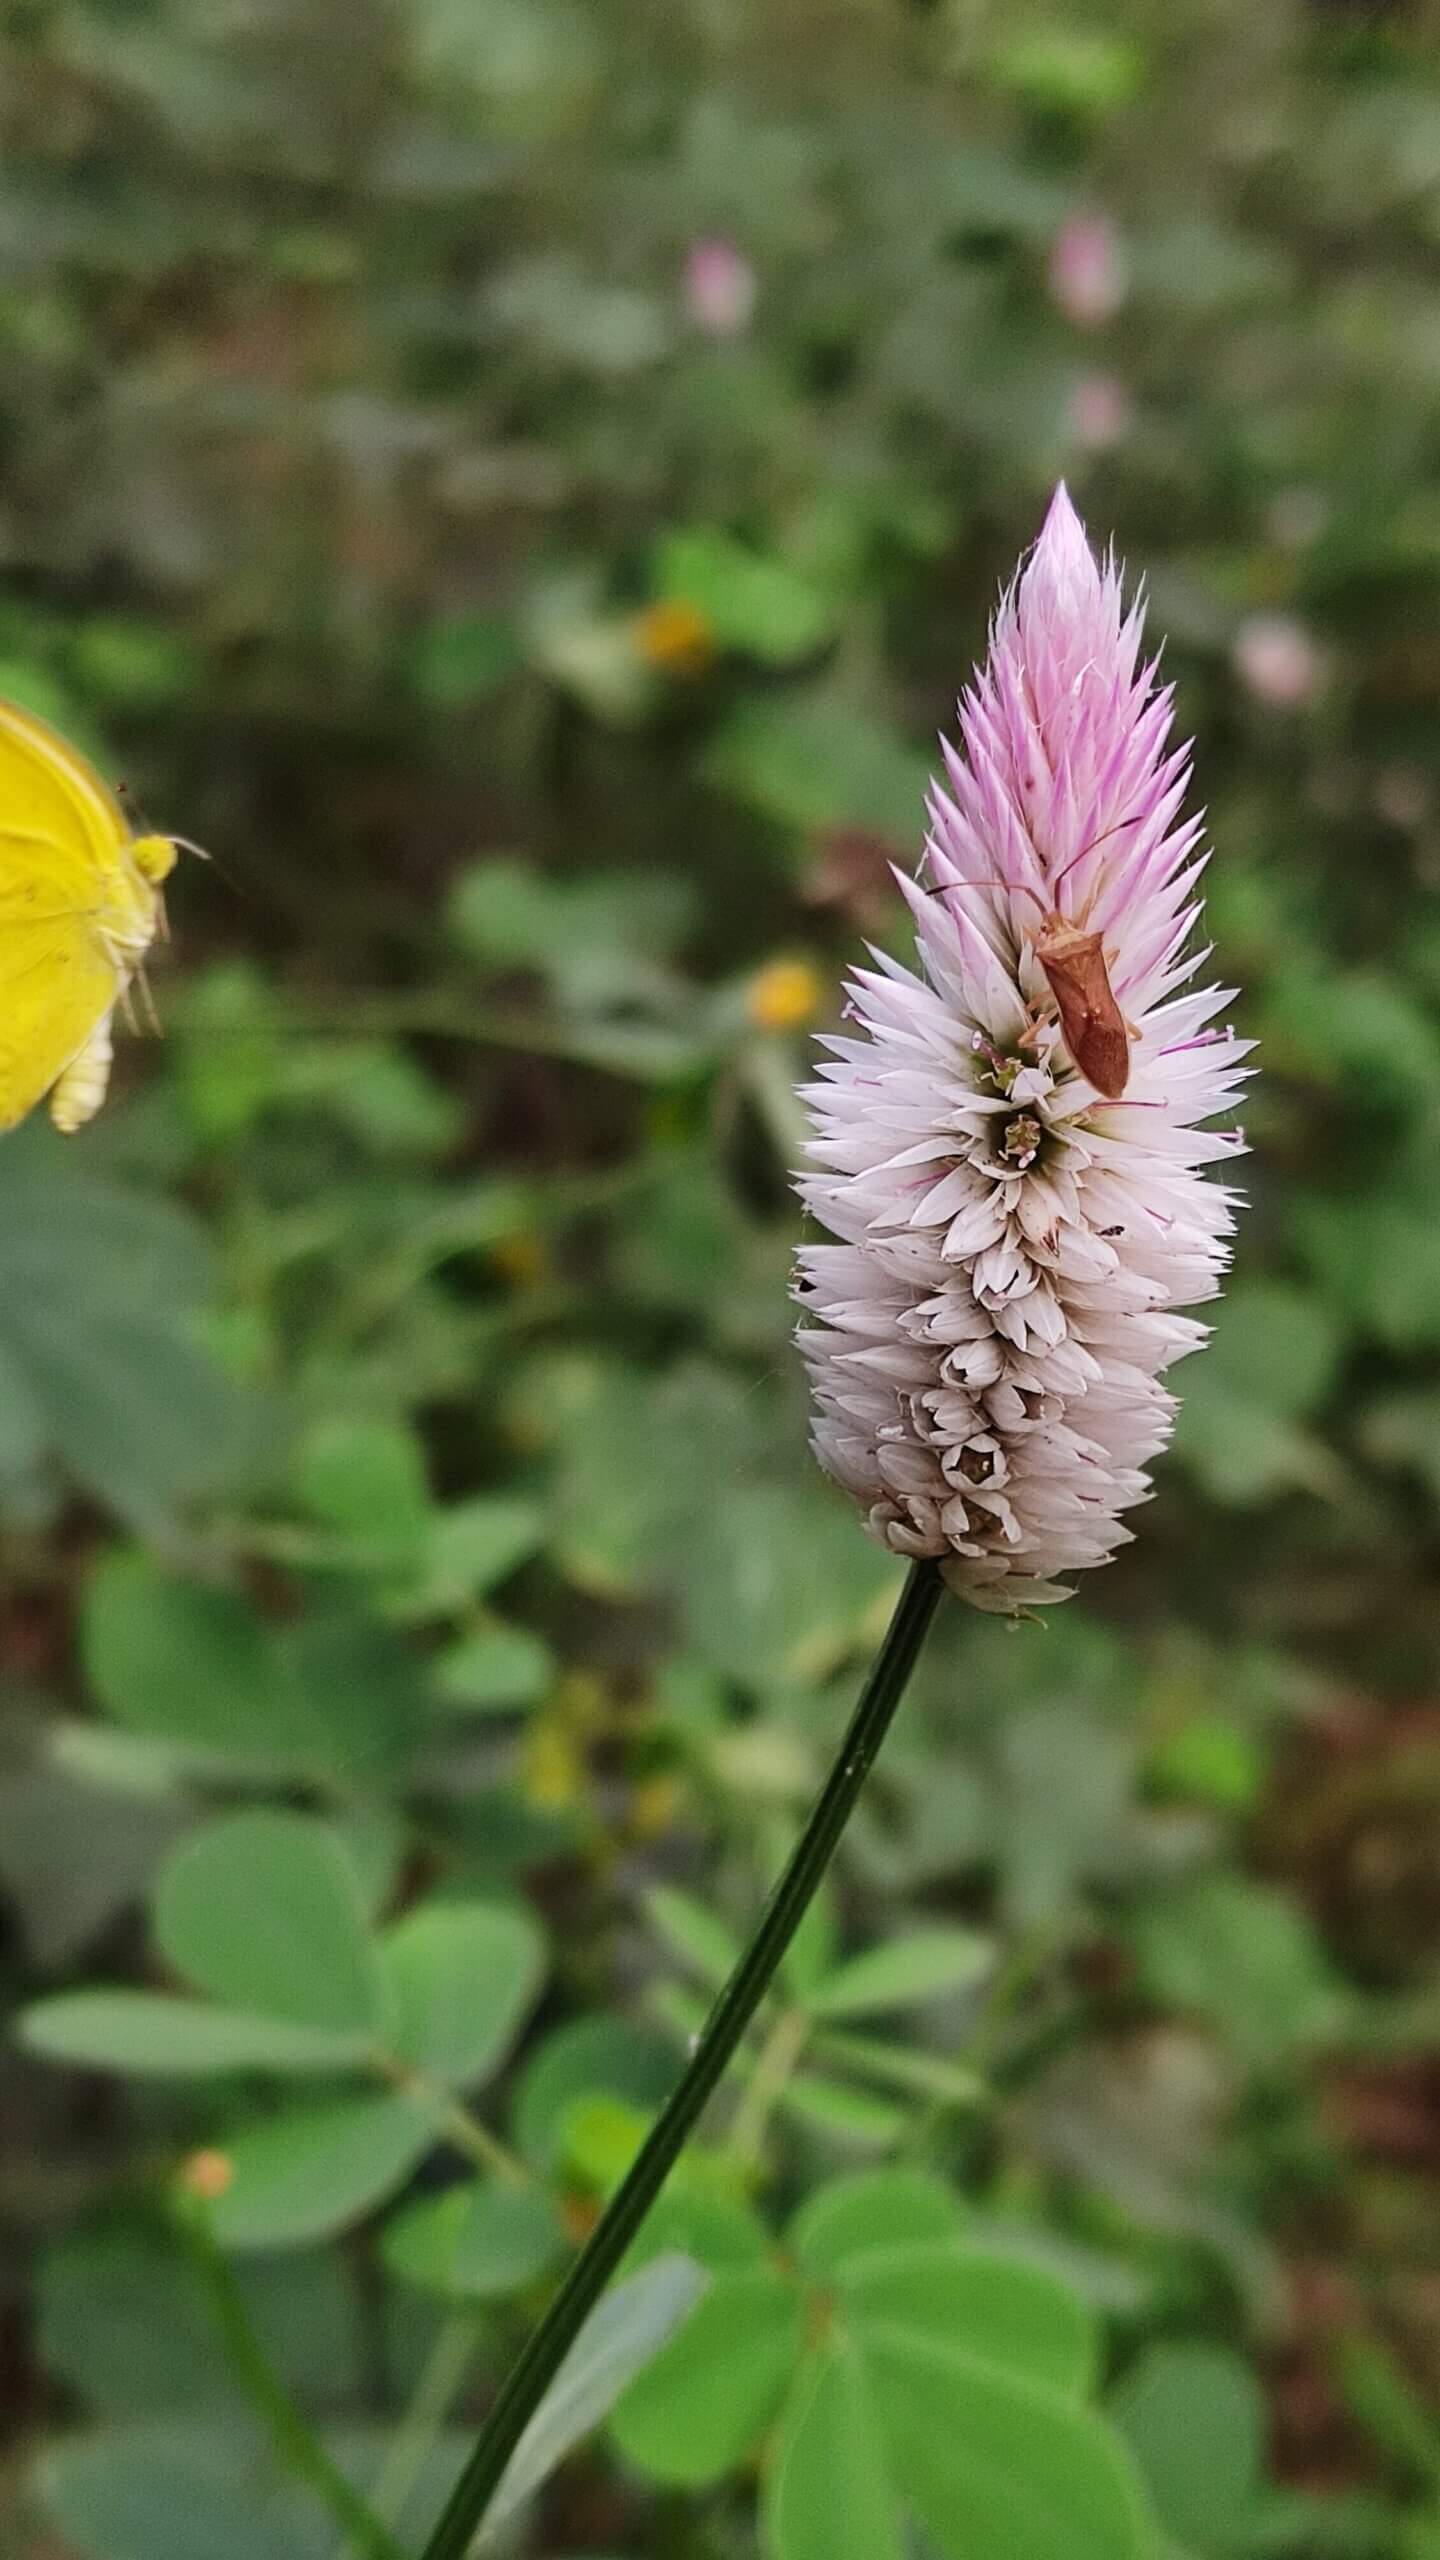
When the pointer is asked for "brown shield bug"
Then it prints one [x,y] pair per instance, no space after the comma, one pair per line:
[1096,1032]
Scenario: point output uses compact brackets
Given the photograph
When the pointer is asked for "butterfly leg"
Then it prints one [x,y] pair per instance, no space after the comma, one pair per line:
[80,1090]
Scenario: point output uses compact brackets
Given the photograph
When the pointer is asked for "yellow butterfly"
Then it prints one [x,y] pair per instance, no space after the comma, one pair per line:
[80,905]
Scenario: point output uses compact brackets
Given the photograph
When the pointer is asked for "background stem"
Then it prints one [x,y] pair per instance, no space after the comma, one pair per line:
[531,2376]
[299,2449]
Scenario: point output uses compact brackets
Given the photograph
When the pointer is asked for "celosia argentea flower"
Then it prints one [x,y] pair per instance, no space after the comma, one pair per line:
[986,1338]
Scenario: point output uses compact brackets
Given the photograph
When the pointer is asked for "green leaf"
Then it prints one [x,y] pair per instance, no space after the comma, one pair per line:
[1242,1955]
[100,1293]
[494,1672]
[616,2343]
[469,1549]
[812,1951]
[1194,2418]
[1376,1255]
[818,761]
[828,2494]
[1270,1366]
[180,1661]
[476,2241]
[1070,69]
[924,1966]
[753,603]
[777,1590]
[177,2492]
[459,1978]
[149,2033]
[367,1480]
[127,2323]
[718,2230]
[703,1943]
[851,2115]
[999,2310]
[264,1911]
[462,657]
[1277,1344]
[1000,2466]
[596,2057]
[876,2209]
[702,2404]
[354,1693]
[894,2066]
[313,2170]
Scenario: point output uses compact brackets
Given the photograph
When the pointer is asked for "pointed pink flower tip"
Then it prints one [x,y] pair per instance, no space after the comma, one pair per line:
[1088,274]
[720,288]
[1016,1206]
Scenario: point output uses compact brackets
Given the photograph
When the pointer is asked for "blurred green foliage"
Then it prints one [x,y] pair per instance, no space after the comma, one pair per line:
[523,484]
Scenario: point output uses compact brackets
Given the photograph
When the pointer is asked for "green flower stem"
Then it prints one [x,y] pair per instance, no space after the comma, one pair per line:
[298,2448]
[530,2378]
[777,2058]
[444,2370]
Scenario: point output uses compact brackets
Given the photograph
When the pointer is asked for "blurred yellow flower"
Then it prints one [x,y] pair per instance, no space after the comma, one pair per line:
[553,1768]
[674,637]
[783,995]
[207,2174]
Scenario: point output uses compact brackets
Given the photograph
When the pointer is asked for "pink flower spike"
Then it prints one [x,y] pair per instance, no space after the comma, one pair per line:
[1011,1242]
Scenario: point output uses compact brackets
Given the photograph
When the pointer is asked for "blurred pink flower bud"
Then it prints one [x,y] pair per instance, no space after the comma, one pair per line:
[1087,274]
[1277,660]
[1100,412]
[720,288]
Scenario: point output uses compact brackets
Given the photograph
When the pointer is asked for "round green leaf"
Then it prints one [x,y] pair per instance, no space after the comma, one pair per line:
[177,2493]
[700,2406]
[265,1912]
[998,2310]
[720,2232]
[1194,2419]
[459,1978]
[475,2241]
[181,1662]
[493,1671]
[148,2032]
[878,2209]
[589,2058]
[366,1478]
[1000,2466]
[829,2495]
[307,2173]
[472,1547]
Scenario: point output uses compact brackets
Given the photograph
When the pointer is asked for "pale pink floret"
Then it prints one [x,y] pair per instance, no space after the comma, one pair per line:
[986,1335]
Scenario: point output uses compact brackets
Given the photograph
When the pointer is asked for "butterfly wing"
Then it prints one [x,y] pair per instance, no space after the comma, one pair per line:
[56,983]
[50,796]
[70,910]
